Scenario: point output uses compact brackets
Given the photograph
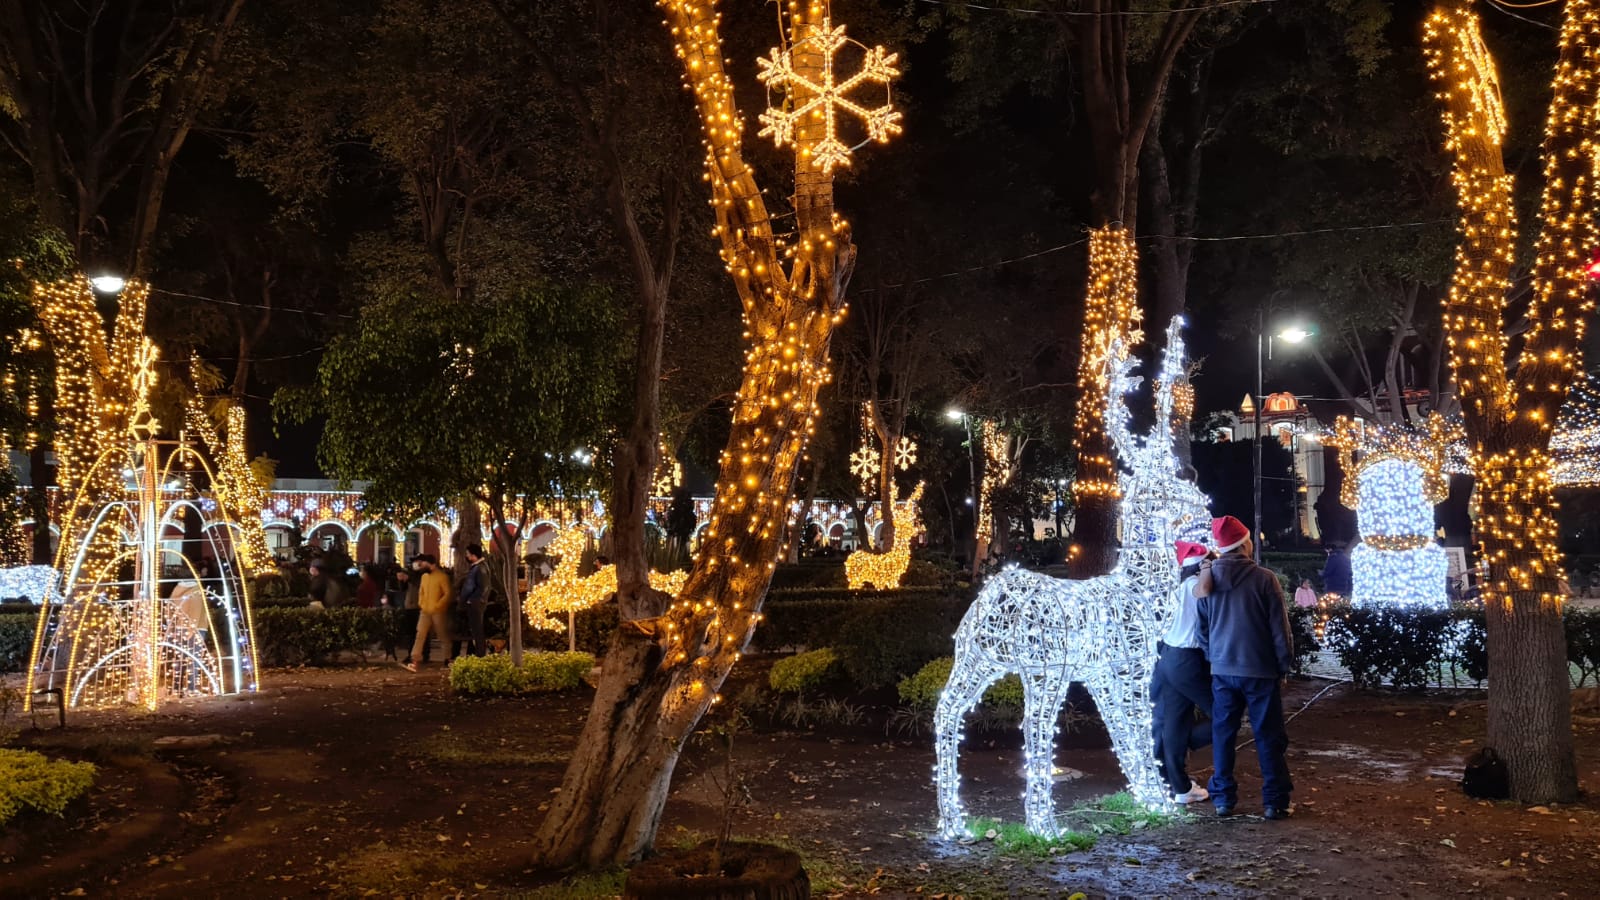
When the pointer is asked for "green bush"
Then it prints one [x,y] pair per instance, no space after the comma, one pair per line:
[299,635]
[16,640]
[922,690]
[804,672]
[30,780]
[1406,648]
[881,642]
[1583,642]
[540,673]
[1303,628]
[809,574]
[815,618]
[1293,567]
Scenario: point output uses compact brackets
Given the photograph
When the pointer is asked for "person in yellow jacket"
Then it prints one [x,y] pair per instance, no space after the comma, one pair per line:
[433,601]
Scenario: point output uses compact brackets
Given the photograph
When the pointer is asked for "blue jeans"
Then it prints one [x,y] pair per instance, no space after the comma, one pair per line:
[1231,695]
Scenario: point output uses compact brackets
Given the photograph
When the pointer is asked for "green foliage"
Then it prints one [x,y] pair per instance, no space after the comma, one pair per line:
[808,575]
[16,640]
[489,410]
[922,690]
[1404,648]
[880,643]
[300,635]
[814,618]
[1294,567]
[1014,838]
[804,672]
[539,673]
[1303,629]
[1583,643]
[30,780]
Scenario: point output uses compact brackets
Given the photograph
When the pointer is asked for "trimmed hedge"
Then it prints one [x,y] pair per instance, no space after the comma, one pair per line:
[16,639]
[30,780]
[921,691]
[540,673]
[299,635]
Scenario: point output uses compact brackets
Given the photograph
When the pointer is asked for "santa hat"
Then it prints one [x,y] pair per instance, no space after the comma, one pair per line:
[1188,551]
[1228,533]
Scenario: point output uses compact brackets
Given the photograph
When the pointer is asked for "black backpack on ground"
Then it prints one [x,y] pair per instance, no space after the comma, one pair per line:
[1486,777]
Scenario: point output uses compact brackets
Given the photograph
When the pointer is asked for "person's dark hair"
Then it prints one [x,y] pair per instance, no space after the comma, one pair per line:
[1193,568]
[475,550]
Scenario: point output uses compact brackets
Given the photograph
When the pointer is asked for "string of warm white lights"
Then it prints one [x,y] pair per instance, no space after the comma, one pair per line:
[1101,632]
[565,591]
[236,487]
[885,570]
[1509,421]
[997,467]
[1110,325]
[1575,447]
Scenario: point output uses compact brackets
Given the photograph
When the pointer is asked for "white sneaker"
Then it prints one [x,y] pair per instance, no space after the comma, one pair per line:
[1195,794]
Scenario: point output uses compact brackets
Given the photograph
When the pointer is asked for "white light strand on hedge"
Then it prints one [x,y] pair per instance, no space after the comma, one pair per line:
[1101,632]
[34,582]
[1575,446]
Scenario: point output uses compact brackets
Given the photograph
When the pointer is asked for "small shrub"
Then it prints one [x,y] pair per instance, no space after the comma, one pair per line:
[30,780]
[539,673]
[16,640]
[287,636]
[1000,709]
[1303,629]
[1583,643]
[1405,648]
[804,672]
[880,643]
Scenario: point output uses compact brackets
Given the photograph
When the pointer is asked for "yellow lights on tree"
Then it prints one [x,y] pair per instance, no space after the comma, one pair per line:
[885,570]
[816,92]
[1111,325]
[670,658]
[996,475]
[1509,415]
[238,491]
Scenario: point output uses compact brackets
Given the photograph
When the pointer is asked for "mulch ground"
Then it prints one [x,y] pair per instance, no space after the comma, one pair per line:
[370,781]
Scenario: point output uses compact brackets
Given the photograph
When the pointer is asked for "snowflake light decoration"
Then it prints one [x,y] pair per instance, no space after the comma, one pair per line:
[905,454]
[864,464]
[1101,632]
[809,98]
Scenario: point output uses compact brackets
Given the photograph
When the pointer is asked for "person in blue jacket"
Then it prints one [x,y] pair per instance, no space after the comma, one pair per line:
[1244,632]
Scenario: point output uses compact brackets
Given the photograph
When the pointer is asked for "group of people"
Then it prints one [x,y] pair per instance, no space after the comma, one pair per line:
[428,601]
[1225,654]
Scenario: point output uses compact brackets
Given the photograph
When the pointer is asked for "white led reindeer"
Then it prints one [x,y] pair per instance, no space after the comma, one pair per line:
[1101,632]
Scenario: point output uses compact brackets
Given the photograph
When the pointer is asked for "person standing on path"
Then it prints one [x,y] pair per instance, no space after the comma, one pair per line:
[1181,682]
[474,596]
[1305,594]
[433,604]
[1244,631]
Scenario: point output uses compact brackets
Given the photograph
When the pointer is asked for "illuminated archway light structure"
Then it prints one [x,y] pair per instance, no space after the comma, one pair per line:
[1101,632]
[137,624]
[884,570]
[1394,476]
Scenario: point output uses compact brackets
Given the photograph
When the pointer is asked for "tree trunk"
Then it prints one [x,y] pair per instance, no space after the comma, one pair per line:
[664,667]
[1530,714]
[39,506]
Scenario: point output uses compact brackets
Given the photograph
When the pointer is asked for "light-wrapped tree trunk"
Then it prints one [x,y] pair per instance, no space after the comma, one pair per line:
[671,655]
[1509,414]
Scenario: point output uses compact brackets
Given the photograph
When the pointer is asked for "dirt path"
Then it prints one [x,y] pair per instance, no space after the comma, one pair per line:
[370,781]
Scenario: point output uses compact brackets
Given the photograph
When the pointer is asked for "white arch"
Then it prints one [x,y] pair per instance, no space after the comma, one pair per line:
[349,534]
[399,536]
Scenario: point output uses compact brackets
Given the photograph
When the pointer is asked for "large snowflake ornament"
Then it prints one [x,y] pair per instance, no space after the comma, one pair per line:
[864,463]
[825,99]
[905,453]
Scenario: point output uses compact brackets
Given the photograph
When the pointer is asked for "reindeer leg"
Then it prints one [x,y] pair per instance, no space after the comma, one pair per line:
[1124,703]
[969,678]
[1042,699]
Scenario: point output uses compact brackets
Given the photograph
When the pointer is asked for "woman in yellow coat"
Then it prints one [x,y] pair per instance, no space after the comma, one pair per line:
[433,601]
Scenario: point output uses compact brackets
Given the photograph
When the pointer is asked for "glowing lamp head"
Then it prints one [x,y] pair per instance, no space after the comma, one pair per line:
[954,415]
[1294,334]
[108,284]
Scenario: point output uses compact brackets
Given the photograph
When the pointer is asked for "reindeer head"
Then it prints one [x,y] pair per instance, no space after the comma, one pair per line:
[1160,505]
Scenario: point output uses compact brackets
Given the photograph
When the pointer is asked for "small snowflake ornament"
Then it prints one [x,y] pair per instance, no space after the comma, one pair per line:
[825,99]
[905,453]
[864,463]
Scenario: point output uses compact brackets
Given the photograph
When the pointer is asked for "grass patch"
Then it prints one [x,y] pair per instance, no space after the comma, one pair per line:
[449,748]
[1015,839]
[1119,814]
[591,886]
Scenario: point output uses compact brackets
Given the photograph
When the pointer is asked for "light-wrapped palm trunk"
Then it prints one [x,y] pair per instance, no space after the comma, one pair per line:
[1509,415]
[668,660]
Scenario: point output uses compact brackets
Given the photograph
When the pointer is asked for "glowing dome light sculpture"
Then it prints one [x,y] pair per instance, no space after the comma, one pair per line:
[1101,632]
[138,625]
[1400,475]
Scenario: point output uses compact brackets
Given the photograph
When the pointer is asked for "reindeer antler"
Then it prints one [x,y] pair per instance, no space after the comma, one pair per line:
[1120,383]
[1174,378]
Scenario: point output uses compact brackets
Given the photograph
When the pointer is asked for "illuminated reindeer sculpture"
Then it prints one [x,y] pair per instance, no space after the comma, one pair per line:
[1101,632]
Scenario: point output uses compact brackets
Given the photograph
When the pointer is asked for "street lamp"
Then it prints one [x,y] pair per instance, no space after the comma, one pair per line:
[108,284]
[957,415]
[1292,334]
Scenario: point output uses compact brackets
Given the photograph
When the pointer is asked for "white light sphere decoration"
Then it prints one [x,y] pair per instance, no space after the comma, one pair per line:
[1397,562]
[1101,632]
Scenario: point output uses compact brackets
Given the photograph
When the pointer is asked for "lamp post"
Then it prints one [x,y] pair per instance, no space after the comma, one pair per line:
[956,415]
[1293,334]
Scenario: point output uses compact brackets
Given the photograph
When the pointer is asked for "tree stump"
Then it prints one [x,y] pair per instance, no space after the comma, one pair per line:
[748,871]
